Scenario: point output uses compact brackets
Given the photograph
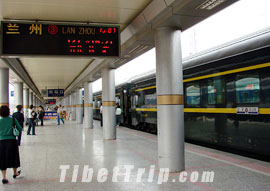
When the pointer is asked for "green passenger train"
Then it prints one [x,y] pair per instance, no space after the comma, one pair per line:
[226,98]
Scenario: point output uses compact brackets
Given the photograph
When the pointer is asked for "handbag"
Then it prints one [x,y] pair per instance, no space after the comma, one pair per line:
[60,115]
[16,132]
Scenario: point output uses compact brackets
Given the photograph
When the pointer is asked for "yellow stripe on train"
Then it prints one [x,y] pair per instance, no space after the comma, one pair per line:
[217,74]
[229,72]
[208,110]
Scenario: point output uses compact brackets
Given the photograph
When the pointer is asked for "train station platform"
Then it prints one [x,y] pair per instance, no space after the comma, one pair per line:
[54,146]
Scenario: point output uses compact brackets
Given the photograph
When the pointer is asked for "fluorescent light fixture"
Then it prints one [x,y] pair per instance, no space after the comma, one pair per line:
[210,4]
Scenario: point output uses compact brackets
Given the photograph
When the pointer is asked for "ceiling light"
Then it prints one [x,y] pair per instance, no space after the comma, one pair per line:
[210,4]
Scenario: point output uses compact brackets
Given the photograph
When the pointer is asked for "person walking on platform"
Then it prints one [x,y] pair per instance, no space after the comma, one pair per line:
[32,116]
[60,114]
[118,112]
[9,150]
[20,118]
[100,111]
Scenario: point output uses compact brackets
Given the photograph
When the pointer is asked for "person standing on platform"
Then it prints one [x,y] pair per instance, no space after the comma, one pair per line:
[41,114]
[9,150]
[32,115]
[118,112]
[60,114]
[37,117]
[100,111]
[64,112]
[20,118]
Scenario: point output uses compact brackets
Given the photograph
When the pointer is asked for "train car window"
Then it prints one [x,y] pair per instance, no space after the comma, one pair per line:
[151,100]
[193,94]
[211,92]
[247,88]
[95,104]
[216,91]
[265,88]
[136,100]
[230,86]
[141,99]
[131,102]
[117,100]
[204,100]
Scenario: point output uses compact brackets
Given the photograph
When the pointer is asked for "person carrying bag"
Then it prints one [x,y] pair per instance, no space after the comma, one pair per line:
[9,150]
[20,118]
[16,132]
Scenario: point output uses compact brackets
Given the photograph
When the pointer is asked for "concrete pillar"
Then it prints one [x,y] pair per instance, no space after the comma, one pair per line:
[34,100]
[4,89]
[68,102]
[88,105]
[64,102]
[38,102]
[25,100]
[79,111]
[170,99]
[73,103]
[108,103]
[69,107]
[18,94]
[31,98]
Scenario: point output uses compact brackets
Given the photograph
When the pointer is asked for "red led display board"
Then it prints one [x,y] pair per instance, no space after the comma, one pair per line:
[38,38]
[51,101]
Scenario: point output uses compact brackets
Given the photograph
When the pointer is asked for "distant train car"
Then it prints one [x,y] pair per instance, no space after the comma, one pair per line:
[227,97]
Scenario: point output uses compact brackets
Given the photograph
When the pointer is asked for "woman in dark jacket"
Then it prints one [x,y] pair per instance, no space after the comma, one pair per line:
[9,150]
[41,114]
[20,118]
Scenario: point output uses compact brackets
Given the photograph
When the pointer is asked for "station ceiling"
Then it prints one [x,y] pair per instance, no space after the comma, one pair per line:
[137,20]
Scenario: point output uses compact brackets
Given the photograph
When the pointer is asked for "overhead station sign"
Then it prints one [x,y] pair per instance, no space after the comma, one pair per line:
[35,38]
[50,101]
[56,92]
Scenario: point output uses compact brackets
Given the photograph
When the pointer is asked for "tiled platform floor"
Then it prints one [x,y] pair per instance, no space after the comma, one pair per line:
[70,144]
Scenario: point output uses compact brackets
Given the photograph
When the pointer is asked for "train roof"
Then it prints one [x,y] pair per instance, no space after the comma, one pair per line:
[248,43]
[142,77]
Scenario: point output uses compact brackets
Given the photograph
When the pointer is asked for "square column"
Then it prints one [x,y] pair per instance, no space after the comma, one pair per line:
[108,103]
[79,111]
[69,103]
[18,94]
[4,89]
[170,115]
[25,100]
[88,105]
[68,109]
[34,100]
[31,98]
[73,103]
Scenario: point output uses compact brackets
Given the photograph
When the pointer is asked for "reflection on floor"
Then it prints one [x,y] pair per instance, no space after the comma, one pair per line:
[70,144]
